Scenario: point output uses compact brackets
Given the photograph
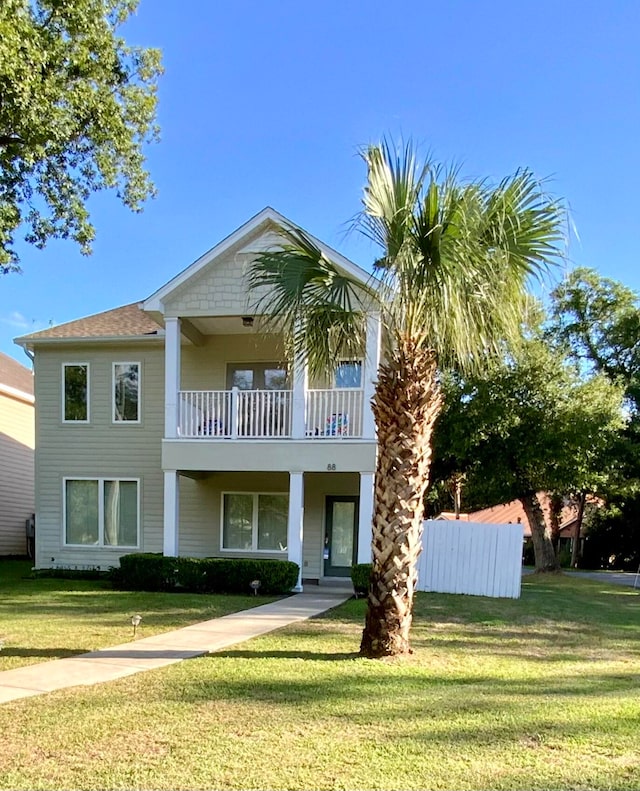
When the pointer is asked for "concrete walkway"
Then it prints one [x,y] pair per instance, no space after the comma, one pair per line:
[149,653]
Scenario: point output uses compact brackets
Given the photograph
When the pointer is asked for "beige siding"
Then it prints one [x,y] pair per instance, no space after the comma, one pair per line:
[97,449]
[205,367]
[200,511]
[17,501]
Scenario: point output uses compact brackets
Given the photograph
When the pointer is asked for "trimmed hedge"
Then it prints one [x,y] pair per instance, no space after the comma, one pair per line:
[360,575]
[150,572]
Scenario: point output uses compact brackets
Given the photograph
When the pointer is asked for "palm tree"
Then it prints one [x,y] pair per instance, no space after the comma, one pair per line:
[449,287]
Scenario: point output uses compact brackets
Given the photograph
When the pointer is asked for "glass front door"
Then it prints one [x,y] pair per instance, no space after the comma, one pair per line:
[341,536]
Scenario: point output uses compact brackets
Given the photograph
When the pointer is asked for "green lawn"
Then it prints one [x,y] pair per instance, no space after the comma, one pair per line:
[42,619]
[539,693]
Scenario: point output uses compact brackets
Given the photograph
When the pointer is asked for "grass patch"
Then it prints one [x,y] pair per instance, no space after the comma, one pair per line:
[43,619]
[531,694]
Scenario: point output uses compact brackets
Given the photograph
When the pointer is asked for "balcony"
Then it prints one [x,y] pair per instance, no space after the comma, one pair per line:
[269,414]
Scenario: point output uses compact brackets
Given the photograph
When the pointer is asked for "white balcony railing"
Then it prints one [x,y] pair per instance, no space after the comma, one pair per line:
[267,414]
[334,413]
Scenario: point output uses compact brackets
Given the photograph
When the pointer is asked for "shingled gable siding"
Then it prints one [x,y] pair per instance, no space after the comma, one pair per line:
[16,472]
[98,449]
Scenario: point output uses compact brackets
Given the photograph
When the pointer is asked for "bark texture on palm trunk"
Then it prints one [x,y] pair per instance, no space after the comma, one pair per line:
[540,534]
[406,403]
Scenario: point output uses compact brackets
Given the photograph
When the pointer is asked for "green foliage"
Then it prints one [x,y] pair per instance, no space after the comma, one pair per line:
[360,575]
[150,572]
[597,321]
[77,106]
[528,425]
[612,537]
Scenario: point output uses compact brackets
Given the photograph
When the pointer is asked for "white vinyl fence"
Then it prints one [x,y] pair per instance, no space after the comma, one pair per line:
[470,557]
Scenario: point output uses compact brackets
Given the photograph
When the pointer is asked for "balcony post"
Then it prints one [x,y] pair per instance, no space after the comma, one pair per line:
[171,376]
[295,523]
[300,383]
[234,412]
[171,513]
[370,374]
[365,517]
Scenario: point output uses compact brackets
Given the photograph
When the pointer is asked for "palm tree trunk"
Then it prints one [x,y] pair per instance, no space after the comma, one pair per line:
[540,534]
[406,403]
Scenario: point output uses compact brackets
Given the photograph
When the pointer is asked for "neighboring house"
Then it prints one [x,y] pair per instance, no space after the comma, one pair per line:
[17,502]
[174,425]
[513,512]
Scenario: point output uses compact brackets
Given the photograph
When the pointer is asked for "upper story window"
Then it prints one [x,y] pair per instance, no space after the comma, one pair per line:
[75,392]
[348,373]
[126,392]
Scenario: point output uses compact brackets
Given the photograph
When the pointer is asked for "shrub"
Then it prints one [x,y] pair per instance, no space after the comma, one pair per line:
[360,574]
[142,571]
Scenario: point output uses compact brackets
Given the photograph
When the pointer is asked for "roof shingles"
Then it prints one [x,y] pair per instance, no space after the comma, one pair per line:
[126,321]
[14,375]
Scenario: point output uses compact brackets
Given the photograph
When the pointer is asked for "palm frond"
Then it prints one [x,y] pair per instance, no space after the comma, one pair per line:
[317,306]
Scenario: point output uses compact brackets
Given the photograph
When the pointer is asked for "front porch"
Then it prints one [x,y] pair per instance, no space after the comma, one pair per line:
[320,521]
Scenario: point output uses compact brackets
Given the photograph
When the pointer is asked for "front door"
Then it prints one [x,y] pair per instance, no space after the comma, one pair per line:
[341,536]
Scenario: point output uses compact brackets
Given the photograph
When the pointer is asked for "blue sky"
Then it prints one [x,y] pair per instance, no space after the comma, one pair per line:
[267,104]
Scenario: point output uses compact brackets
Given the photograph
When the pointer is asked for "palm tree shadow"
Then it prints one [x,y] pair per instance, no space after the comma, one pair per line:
[338,656]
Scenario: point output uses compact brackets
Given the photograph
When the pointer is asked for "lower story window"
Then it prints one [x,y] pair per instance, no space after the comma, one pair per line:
[101,512]
[255,522]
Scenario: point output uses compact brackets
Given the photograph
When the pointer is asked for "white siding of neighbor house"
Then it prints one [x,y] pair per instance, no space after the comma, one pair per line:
[200,511]
[97,449]
[17,501]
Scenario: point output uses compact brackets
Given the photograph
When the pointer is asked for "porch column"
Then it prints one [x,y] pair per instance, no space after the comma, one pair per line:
[370,374]
[298,395]
[171,513]
[296,518]
[171,376]
[365,517]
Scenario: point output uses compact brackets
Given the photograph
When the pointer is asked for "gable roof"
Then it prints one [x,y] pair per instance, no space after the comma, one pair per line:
[125,322]
[265,219]
[14,376]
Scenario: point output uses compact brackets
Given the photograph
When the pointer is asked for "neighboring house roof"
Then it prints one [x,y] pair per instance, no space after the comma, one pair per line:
[14,377]
[124,322]
[513,512]
[261,221]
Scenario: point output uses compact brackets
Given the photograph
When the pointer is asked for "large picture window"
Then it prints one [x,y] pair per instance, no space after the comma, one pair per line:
[75,392]
[102,512]
[126,392]
[255,522]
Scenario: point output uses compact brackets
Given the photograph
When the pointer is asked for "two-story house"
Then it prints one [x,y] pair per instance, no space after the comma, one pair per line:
[177,425]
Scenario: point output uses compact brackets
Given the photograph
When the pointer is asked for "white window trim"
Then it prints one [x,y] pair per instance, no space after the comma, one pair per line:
[254,525]
[343,361]
[100,481]
[115,422]
[76,422]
